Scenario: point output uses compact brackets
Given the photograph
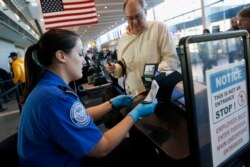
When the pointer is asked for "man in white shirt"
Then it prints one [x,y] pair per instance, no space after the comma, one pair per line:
[144,42]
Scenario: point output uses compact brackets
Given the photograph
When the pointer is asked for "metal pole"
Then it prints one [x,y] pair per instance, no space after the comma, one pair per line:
[203,15]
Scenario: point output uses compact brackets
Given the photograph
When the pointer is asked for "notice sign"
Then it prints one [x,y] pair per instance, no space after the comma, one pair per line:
[228,110]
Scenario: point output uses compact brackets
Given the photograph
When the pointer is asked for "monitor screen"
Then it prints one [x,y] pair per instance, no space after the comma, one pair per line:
[150,69]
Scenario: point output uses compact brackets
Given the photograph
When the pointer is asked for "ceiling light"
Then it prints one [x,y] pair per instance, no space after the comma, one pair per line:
[28,27]
[2,4]
[17,17]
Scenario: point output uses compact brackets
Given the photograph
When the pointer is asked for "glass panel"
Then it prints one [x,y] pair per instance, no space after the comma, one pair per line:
[219,77]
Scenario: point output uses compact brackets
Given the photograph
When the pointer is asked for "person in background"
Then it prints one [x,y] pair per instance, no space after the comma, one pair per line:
[233,23]
[55,128]
[143,42]
[89,57]
[206,31]
[114,56]
[205,55]
[243,19]
[108,55]
[233,45]
[17,66]
[5,85]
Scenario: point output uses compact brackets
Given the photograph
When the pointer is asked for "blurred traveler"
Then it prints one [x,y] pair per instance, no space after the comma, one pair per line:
[206,31]
[243,19]
[233,23]
[18,70]
[6,82]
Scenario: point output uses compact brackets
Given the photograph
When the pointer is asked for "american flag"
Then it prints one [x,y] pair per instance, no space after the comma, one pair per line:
[68,13]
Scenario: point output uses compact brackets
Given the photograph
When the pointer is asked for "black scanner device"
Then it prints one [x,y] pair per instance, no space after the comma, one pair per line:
[168,93]
[167,84]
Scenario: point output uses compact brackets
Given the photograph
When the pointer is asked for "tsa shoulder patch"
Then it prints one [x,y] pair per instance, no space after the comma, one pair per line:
[79,115]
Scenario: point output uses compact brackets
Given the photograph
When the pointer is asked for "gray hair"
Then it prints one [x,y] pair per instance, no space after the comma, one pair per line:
[141,2]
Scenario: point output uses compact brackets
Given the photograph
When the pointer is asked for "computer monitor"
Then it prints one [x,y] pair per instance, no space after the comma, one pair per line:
[149,70]
[149,74]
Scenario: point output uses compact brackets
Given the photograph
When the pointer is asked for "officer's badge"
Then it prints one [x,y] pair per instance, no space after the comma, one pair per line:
[79,115]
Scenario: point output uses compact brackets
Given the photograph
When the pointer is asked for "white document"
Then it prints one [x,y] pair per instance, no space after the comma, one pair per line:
[152,93]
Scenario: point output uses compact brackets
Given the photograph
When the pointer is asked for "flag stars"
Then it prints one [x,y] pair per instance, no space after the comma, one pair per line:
[49,6]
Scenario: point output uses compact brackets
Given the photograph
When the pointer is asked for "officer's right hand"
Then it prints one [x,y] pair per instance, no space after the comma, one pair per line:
[143,110]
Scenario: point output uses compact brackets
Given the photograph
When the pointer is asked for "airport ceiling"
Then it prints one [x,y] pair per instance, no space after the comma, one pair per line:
[110,15]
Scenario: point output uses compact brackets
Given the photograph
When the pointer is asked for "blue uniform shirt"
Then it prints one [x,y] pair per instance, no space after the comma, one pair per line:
[55,128]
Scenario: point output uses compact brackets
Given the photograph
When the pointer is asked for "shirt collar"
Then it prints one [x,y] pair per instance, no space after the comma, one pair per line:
[129,33]
[52,78]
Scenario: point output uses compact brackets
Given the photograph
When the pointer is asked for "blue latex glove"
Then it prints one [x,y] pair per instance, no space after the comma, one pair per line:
[143,110]
[121,100]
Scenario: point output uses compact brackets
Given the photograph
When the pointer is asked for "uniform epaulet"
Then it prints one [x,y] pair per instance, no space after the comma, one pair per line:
[70,91]
[67,90]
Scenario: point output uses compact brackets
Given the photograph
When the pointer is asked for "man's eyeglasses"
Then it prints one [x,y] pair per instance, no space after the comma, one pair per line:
[136,17]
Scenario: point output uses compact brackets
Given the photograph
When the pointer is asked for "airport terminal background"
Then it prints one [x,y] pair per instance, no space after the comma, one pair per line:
[183,17]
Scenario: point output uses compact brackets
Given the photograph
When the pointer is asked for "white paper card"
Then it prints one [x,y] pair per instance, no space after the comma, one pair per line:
[152,93]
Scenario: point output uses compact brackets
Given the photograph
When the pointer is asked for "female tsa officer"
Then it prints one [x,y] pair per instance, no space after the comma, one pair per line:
[55,128]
